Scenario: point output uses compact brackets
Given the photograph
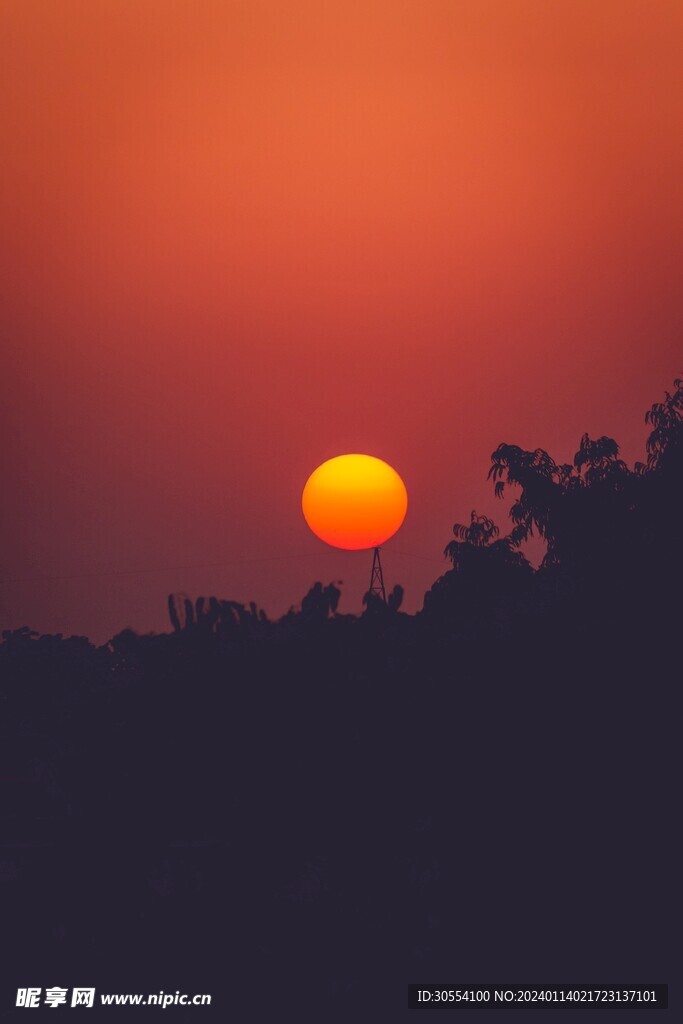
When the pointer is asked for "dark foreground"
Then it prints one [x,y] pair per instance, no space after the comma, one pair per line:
[301,817]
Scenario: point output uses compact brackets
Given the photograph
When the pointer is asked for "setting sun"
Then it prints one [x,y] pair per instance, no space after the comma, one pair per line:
[354,502]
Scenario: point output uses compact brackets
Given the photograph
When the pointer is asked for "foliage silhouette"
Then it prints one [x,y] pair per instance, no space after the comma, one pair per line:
[340,803]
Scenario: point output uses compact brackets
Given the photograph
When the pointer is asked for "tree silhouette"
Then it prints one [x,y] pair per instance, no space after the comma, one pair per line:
[666,419]
[479,533]
[485,571]
[289,784]
[598,460]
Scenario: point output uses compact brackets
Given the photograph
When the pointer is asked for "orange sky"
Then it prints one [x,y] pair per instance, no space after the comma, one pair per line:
[243,237]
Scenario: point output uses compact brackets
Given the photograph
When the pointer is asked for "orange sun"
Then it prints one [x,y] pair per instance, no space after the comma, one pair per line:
[354,502]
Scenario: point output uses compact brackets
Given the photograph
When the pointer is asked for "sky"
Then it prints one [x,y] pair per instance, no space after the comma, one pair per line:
[240,238]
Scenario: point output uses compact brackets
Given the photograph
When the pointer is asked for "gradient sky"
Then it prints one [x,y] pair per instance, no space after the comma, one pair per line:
[243,237]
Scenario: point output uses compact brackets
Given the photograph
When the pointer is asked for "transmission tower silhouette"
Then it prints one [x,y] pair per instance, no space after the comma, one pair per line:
[377,578]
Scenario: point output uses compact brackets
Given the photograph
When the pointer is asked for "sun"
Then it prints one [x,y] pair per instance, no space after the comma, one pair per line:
[354,502]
